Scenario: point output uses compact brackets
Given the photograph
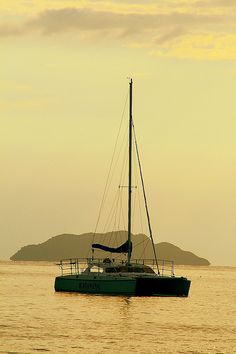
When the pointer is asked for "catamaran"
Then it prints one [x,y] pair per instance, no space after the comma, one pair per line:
[111,276]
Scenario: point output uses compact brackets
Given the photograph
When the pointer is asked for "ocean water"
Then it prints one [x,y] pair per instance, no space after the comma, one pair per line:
[35,319]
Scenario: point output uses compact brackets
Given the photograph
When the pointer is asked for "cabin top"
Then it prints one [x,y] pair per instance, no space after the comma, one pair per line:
[133,268]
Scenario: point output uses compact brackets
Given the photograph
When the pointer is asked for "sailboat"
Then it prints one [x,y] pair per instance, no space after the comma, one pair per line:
[109,276]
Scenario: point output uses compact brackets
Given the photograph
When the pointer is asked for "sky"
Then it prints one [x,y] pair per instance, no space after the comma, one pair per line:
[63,83]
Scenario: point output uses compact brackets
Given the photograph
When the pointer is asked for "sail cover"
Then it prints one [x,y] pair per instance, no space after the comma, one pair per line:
[124,248]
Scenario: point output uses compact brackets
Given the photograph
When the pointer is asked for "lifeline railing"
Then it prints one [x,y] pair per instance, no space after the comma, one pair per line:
[75,266]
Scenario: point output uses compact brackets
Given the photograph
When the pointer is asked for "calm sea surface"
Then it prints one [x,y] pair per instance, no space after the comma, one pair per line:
[35,319]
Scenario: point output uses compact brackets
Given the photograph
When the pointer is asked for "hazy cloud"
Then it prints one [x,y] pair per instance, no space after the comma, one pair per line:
[71,19]
[204,34]
[215,3]
[11,30]
[169,35]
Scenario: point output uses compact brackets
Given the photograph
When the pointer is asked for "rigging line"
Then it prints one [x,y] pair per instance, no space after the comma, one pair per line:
[114,167]
[111,213]
[121,183]
[117,215]
[144,249]
[134,209]
[124,165]
[120,206]
[145,198]
[143,241]
[116,212]
[134,199]
[113,239]
[117,219]
[140,211]
[116,162]
[105,190]
[120,212]
[111,223]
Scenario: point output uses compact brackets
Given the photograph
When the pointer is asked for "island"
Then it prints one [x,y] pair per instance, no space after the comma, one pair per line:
[79,246]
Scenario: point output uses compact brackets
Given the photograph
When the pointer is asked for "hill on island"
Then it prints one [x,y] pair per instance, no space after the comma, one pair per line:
[79,246]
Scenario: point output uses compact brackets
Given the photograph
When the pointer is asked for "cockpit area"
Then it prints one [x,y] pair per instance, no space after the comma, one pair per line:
[133,268]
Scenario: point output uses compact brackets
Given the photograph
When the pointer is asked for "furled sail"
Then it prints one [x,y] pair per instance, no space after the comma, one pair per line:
[124,248]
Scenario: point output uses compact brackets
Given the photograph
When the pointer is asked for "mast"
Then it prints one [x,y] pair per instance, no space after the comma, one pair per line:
[130,170]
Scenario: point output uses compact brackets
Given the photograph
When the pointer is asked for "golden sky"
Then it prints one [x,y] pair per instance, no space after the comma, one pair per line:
[62,89]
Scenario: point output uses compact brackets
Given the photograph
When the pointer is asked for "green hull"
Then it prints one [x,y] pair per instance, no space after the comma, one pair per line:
[117,285]
[96,285]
